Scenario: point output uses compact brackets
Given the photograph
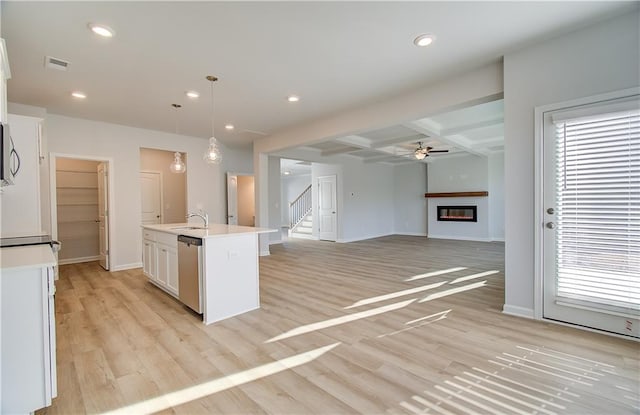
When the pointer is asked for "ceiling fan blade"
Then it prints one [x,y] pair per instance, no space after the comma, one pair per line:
[438,151]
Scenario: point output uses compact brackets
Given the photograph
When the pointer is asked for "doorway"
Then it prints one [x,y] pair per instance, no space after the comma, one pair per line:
[241,206]
[80,207]
[163,194]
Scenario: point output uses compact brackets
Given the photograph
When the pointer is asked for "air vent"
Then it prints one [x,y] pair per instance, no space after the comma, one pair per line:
[54,63]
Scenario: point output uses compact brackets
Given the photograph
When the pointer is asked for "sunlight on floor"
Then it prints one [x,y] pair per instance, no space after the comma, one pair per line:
[395,295]
[433,274]
[340,320]
[453,291]
[473,276]
[536,380]
[195,392]
[423,321]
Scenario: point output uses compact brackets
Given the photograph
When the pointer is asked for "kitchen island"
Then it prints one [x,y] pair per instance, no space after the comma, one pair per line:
[227,264]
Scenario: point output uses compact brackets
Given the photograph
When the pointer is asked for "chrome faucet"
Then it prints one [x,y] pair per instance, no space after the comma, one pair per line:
[204,217]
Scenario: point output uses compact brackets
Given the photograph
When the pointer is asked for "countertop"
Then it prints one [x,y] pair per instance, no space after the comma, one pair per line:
[32,256]
[215,230]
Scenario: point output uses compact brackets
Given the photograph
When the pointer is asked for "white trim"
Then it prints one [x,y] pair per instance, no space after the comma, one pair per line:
[5,60]
[78,260]
[514,310]
[538,205]
[276,241]
[585,328]
[124,267]
[53,211]
[362,238]
[497,239]
[265,253]
[460,238]
[410,233]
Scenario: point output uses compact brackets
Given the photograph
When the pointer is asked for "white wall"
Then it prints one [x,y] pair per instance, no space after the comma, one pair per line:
[205,183]
[367,206]
[598,59]
[410,205]
[292,187]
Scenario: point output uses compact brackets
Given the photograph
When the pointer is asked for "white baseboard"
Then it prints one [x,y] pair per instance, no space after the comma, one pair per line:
[410,233]
[125,267]
[265,253]
[518,311]
[460,238]
[78,260]
[275,242]
[497,239]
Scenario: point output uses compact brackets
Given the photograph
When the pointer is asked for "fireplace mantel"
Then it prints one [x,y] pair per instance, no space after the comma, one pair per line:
[457,194]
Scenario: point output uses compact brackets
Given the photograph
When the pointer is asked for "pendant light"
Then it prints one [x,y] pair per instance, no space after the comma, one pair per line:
[177,166]
[213,155]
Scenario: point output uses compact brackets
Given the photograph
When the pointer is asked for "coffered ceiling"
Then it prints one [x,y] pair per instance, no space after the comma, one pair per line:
[336,56]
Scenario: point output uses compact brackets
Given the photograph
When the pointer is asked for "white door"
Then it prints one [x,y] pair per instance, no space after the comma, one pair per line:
[232,199]
[103,214]
[591,217]
[151,197]
[327,208]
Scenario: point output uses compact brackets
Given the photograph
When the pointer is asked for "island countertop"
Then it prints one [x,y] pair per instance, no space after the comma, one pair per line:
[215,230]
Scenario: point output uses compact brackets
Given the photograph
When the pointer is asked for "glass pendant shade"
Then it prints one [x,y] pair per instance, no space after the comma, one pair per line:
[213,156]
[177,166]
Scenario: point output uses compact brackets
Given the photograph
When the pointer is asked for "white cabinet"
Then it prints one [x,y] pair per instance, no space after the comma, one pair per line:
[160,260]
[27,329]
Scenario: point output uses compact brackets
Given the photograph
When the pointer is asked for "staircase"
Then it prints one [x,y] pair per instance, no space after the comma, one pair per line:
[303,229]
[300,218]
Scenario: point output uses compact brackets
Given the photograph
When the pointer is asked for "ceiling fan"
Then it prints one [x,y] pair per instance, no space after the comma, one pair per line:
[421,152]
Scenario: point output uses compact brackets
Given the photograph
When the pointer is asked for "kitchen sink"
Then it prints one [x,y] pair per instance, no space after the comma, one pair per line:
[187,228]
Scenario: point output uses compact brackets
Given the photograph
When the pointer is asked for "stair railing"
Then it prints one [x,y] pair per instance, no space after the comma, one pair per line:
[300,207]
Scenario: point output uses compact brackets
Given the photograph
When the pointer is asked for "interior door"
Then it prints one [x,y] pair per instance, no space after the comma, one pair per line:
[327,208]
[591,228]
[232,199]
[151,197]
[103,214]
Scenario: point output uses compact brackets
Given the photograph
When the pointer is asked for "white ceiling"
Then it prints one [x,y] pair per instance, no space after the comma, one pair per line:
[335,55]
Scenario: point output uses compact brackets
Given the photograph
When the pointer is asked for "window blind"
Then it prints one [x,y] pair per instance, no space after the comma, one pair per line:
[598,210]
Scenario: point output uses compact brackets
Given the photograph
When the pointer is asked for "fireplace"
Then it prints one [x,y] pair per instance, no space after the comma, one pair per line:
[458,213]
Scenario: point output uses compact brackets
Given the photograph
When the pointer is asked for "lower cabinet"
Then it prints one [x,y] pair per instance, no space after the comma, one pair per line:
[28,358]
[160,260]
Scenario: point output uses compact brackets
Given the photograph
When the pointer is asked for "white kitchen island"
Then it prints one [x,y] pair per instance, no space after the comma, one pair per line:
[230,283]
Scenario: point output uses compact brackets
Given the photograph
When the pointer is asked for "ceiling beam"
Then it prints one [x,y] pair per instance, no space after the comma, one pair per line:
[340,149]
[472,126]
[423,127]
[488,142]
[397,140]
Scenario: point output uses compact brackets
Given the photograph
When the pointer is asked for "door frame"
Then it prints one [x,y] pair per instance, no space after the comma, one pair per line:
[159,173]
[53,198]
[538,204]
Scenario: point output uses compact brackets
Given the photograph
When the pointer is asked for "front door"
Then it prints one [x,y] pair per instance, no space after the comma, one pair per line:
[591,217]
[327,208]
[151,197]
[103,214]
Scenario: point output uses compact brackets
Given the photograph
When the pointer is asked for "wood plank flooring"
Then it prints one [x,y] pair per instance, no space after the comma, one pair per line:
[394,325]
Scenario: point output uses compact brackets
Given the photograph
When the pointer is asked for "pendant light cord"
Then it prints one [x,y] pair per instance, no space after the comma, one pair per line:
[213,131]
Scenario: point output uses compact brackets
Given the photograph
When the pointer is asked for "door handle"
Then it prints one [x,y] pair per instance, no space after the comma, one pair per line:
[333,213]
[550,225]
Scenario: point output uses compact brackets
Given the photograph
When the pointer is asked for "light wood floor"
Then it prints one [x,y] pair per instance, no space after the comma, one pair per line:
[398,325]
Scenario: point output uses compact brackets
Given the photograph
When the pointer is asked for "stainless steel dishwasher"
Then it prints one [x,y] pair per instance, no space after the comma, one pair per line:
[189,276]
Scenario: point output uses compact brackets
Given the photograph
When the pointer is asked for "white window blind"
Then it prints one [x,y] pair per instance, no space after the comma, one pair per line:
[598,210]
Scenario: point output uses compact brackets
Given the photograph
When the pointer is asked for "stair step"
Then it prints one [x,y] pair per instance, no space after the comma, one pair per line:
[306,223]
[302,229]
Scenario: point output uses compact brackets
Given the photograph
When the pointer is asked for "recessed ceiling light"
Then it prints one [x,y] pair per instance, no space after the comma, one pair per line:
[424,40]
[192,94]
[78,94]
[229,127]
[286,172]
[293,98]
[101,30]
